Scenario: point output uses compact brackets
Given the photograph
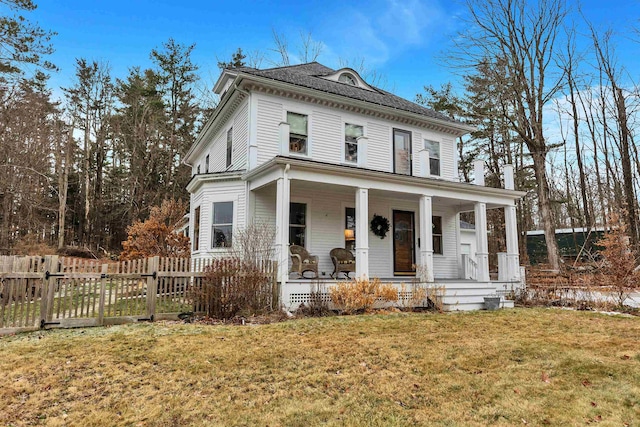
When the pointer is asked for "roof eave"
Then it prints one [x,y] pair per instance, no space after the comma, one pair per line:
[222,105]
[458,128]
[199,179]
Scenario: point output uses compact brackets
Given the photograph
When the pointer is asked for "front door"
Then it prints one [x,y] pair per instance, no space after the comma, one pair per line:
[403,243]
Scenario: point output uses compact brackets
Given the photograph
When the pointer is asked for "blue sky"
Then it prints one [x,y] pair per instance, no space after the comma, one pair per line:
[403,40]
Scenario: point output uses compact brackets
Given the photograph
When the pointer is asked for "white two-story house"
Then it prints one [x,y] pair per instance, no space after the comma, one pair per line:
[318,153]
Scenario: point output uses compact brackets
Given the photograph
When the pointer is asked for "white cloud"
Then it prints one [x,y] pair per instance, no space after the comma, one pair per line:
[381,30]
[409,22]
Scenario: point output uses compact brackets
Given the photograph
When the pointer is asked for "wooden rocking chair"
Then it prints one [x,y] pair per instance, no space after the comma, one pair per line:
[302,261]
[343,262]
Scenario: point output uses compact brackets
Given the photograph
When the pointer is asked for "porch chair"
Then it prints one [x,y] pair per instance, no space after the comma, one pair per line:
[302,261]
[343,262]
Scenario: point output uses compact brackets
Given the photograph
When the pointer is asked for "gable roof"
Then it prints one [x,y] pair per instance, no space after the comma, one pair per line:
[311,75]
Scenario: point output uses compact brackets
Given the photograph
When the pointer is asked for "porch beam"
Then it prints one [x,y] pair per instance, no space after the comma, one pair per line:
[362,233]
[283,191]
[482,242]
[425,269]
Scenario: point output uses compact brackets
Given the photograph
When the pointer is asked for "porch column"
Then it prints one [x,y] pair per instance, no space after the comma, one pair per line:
[511,229]
[482,243]
[362,233]
[425,269]
[282,226]
[513,256]
[478,172]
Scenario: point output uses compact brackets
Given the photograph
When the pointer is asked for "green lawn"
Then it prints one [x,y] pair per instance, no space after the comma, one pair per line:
[534,366]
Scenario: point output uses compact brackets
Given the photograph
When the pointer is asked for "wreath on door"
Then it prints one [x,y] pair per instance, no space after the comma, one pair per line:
[380,226]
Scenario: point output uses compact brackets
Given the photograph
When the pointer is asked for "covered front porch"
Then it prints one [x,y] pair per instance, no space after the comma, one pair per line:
[322,210]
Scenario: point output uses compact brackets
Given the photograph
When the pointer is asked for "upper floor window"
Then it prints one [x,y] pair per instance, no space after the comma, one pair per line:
[436,222]
[402,152]
[298,133]
[433,147]
[348,79]
[229,145]
[351,135]
[222,226]
[206,164]
[297,223]
[196,229]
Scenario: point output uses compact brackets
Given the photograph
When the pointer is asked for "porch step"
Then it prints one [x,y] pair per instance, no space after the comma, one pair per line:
[463,305]
[466,292]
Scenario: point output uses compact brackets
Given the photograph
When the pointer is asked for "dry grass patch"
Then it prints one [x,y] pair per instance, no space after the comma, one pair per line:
[543,366]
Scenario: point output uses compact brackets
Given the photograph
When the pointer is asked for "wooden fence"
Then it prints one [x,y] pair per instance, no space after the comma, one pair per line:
[47,292]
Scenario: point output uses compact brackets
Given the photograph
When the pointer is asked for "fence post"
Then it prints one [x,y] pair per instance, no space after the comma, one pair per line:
[152,285]
[48,288]
[103,293]
[275,286]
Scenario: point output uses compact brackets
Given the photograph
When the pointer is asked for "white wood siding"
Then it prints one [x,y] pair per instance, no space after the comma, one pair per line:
[216,148]
[379,154]
[205,196]
[326,134]
[269,116]
[445,266]
[447,159]
[240,138]
[264,205]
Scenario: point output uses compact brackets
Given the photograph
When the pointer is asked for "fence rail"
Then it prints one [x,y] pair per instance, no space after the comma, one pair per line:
[52,291]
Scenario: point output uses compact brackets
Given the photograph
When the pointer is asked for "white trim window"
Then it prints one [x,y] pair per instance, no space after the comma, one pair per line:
[298,133]
[436,224]
[297,223]
[222,225]
[350,228]
[433,147]
[196,229]
[351,135]
[348,79]
[229,146]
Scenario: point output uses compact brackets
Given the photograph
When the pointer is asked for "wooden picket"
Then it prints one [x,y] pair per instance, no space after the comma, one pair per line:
[52,291]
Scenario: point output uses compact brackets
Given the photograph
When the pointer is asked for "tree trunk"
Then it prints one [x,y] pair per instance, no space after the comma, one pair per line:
[544,204]
[87,185]
[63,186]
[583,180]
[627,173]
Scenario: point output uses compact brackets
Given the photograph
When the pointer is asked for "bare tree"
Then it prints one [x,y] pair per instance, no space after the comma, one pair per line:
[569,63]
[518,40]
[281,48]
[90,104]
[63,165]
[608,65]
[309,49]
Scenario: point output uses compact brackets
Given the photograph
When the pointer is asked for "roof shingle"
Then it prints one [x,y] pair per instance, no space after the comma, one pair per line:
[311,75]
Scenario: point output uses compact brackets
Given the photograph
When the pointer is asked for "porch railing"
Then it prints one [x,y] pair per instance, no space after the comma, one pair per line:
[469,267]
[508,267]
